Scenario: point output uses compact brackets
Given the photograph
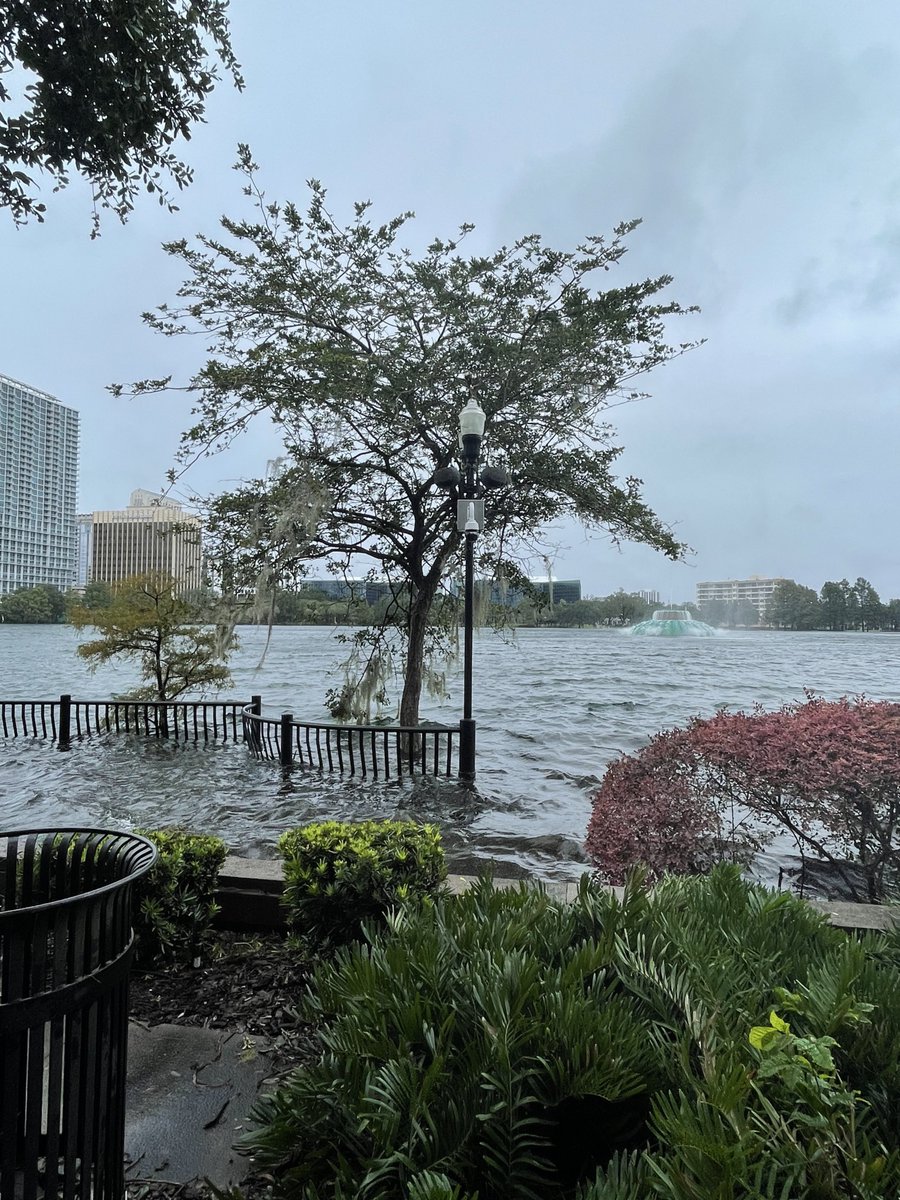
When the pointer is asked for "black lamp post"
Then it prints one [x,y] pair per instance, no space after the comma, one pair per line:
[470,521]
[469,488]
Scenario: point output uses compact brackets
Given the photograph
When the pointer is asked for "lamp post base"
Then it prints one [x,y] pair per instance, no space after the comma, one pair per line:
[467,749]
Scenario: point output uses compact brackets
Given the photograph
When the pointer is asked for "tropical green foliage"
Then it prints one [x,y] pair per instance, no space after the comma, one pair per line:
[363,354]
[619,608]
[43,605]
[854,606]
[792,606]
[96,594]
[706,1041]
[151,623]
[311,607]
[174,903]
[338,874]
[110,85]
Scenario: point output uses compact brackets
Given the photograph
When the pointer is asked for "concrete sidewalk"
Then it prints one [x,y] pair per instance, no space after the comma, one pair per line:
[189,1093]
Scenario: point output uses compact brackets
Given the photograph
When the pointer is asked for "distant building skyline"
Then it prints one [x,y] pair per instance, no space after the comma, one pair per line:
[83,529]
[38,487]
[557,591]
[44,541]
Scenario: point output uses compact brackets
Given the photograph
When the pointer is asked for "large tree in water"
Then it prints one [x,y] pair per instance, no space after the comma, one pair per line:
[363,354]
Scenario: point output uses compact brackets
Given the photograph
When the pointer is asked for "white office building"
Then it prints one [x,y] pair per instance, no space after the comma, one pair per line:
[757,590]
[38,482]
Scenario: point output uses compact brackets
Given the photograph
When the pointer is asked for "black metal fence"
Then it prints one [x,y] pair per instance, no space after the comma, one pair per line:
[65,951]
[382,751]
[379,751]
[66,719]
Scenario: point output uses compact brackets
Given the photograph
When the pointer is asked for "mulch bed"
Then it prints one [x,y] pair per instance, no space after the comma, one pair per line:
[251,982]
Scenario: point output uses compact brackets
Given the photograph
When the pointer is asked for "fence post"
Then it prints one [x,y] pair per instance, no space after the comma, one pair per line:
[255,731]
[287,731]
[466,749]
[65,722]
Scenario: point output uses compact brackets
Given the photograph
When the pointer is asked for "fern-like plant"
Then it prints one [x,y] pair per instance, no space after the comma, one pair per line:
[451,1044]
[505,1044]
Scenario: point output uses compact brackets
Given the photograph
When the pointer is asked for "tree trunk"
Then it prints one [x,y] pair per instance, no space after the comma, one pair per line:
[419,616]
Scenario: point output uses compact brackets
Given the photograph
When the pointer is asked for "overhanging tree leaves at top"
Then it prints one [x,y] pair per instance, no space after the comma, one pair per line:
[109,86]
[363,353]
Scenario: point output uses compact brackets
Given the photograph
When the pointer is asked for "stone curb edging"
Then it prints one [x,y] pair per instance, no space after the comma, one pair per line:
[250,890]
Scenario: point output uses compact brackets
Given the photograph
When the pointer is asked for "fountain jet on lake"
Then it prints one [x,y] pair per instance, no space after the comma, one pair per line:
[672,622]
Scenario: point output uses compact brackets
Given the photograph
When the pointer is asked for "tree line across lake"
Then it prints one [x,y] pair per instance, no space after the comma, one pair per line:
[838,606]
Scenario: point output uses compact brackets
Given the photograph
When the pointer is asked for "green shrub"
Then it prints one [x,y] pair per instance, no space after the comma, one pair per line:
[705,1041]
[339,874]
[175,902]
[450,1045]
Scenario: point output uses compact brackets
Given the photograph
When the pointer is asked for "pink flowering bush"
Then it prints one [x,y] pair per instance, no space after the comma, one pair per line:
[827,772]
[660,808]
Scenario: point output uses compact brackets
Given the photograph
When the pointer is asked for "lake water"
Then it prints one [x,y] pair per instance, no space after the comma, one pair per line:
[553,708]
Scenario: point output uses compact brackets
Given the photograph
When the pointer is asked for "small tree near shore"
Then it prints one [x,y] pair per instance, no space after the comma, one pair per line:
[149,623]
[826,772]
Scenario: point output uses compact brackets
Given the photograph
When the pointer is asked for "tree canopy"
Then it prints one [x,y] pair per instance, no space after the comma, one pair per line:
[793,606]
[41,605]
[109,85]
[363,354]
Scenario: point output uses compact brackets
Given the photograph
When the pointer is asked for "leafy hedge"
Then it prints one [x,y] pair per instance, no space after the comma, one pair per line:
[708,1041]
[338,874]
[174,903]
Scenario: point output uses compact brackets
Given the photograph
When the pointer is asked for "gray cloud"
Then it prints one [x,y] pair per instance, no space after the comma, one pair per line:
[764,157]
[759,141]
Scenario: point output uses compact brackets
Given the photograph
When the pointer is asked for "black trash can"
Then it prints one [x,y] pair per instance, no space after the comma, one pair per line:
[65,951]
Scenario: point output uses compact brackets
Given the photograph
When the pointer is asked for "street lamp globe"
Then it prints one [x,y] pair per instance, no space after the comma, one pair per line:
[471,431]
[471,419]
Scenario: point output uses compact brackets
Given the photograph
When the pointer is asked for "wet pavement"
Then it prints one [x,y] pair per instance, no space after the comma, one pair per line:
[189,1093]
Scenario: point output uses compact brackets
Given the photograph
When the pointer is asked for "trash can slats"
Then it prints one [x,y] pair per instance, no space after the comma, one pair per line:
[65,953]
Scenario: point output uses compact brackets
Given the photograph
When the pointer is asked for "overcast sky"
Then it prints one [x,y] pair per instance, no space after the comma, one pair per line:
[759,142]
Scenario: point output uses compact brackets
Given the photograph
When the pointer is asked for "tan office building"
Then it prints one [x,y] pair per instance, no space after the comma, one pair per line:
[153,534]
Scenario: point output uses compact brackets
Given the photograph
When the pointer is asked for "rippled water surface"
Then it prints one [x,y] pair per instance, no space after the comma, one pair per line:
[553,707]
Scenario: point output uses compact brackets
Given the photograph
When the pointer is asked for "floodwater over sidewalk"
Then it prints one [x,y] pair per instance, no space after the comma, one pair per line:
[553,708]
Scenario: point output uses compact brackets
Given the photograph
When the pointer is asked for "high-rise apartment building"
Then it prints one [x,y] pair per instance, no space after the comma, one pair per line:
[153,534]
[650,596]
[38,482]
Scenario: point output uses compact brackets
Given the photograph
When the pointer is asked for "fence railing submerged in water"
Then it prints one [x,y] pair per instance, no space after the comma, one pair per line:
[376,750]
[64,719]
[379,751]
